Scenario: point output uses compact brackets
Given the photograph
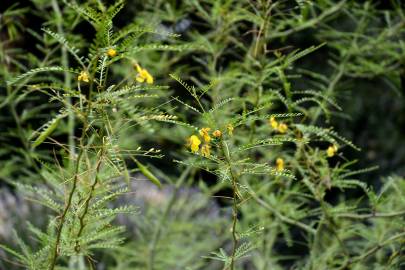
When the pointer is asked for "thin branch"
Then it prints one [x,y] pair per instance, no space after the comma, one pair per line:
[281,216]
[371,215]
[235,195]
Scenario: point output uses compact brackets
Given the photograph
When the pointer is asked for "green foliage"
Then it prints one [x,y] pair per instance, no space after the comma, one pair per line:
[197,136]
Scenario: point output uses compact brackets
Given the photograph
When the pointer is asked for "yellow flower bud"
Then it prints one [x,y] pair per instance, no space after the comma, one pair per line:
[331,151]
[217,133]
[111,52]
[273,123]
[230,128]
[83,76]
[205,150]
[143,75]
[282,128]
[205,135]
[279,164]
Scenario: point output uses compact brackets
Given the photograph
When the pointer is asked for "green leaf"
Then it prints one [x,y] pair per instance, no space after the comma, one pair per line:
[48,128]
[148,174]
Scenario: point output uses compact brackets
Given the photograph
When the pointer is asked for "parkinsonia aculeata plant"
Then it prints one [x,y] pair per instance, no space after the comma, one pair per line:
[227,157]
[257,130]
[79,189]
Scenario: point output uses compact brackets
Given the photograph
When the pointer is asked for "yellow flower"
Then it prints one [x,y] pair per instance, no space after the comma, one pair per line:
[217,133]
[205,150]
[143,75]
[194,143]
[83,76]
[279,164]
[273,123]
[331,151]
[111,52]
[205,135]
[229,127]
[282,128]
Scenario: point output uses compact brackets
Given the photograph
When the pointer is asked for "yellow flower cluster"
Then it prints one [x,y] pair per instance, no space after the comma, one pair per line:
[331,151]
[194,141]
[280,127]
[83,76]
[143,75]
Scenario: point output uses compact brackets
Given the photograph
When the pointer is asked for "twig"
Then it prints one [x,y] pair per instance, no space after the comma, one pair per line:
[234,202]
[371,215]
[373,250]
[281,216]
[87,202]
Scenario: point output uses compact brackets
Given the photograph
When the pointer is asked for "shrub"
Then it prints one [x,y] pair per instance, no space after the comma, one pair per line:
[196,136]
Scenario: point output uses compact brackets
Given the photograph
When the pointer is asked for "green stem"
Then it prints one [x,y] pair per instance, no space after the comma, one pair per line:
[87,202]
[68,204]
[374,249]
[310,23]
[331,88]
[65,210]
[371,215]
[235,195]
[281,216]
[341,70]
